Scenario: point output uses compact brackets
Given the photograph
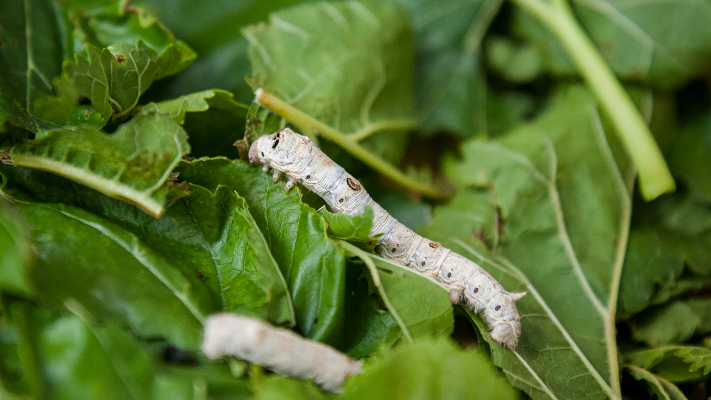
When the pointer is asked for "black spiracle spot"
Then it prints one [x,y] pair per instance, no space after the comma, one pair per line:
[497,308]
[276,143]
[423,263]
[340,200]
[393,250]
[262,154]
[476,290]
[449,275]
[308,176]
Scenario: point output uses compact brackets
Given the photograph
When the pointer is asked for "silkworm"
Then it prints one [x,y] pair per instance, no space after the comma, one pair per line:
[301,161]
[280,350]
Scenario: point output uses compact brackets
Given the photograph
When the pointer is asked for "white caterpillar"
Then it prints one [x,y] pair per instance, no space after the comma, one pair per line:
[297,157]
[280,350]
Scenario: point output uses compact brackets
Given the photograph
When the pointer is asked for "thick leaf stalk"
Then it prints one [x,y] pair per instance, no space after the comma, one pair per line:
[311,126]
[654,176]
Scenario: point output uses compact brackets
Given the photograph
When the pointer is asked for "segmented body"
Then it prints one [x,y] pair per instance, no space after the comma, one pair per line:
[297,157]
[280,350]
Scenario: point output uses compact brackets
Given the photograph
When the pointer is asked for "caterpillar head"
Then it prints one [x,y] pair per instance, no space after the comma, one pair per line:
[503,319]
[283,144]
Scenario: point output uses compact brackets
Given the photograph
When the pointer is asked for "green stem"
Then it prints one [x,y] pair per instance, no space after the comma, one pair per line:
[311,126]
[365,257]
[396,124]
[27,350]
[654,176]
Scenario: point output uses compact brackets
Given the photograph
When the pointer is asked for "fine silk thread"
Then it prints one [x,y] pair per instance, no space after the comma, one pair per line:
[301,161]
[280,350]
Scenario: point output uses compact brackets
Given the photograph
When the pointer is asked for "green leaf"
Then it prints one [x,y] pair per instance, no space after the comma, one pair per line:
[30,55]
[214,241]
[345,227]
[536,181]
[133,164]
[15,253]
[649,263]
[210,118]
[518,63]
[106,23]
[196,103]
[419,304]
[55,32]
[67,107]
[214,32]
[674,363]
[211,238]
[429,369]
[702,308]
[312,264]
[10,396]
[129,71]
[369,325]
[260,122]
[664,389]
[686,224]
[675,322]
[78,358]
[507,110]
[688,158]
[679,287]
[19,364]
[113,78]
[84,362]
[197,382]
[113,275]
[698,357]
[24,323]
[280,388]
[683,225]
[174,59]
[347,64]
[10,367]
[662,43]
[450,82]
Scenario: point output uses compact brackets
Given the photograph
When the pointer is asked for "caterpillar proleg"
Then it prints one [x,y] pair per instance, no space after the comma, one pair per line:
[301,161]
[280,350]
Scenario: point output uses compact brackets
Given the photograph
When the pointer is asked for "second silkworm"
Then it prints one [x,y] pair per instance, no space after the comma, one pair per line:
[280,350]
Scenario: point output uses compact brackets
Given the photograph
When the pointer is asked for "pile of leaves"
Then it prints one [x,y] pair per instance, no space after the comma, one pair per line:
[128,216]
